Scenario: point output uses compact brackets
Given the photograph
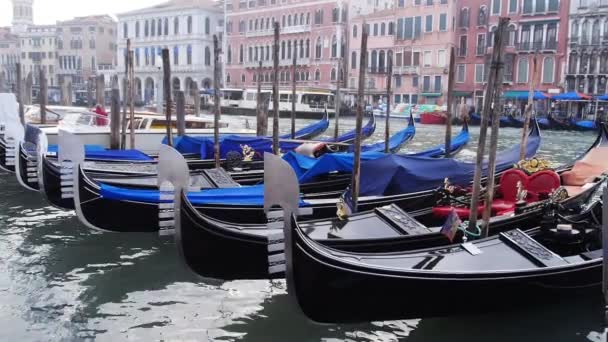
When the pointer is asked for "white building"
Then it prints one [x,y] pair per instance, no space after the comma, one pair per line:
[23,15]
[39,51]
[186,28]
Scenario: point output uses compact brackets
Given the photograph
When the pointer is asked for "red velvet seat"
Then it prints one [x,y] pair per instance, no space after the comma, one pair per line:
[541,184]
[508,189]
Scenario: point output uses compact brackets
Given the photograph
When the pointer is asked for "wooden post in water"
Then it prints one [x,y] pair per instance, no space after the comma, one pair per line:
[20,93]
[450,104]
[42,97]
[483,130]
[338,100]
[276,149]
[359,121]
[216,101]
[100,90]
[293,94]
[69,90]
[167,91]
[90,93]
[125,101]
[131,101]
[180,113]
[389,80]
[115,115]
[495,108]
[196,96]
[27,94]
[261,114]
[529,108]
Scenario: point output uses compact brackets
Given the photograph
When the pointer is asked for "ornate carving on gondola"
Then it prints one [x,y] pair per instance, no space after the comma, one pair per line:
[533,165]
[530,248]
[221,178]
[401,220]
[248,153]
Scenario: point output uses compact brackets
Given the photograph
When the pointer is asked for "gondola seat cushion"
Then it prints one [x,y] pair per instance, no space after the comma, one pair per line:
[463,212]
[585,170]
[508,189]
[541,184]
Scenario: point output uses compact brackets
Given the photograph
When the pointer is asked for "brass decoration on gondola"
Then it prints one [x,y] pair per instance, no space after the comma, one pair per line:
[533,165]
[521,192]
[248,153]
[559,194]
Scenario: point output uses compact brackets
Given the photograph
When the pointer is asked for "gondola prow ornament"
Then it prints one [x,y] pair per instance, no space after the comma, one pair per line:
[173,178]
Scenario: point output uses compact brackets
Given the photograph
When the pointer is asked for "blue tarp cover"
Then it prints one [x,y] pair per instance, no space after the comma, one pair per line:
[87,148]
[398,174]
[307,168]
[586,124]
[99,152]
[246,195]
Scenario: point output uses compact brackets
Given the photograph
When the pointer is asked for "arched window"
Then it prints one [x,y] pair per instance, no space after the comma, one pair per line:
[595,32]
[585,32]
[243,78]
[548,69]
[382,29]
[283,48]
[207,26]
[176,25]
[282,77]
[341,75]
[522,70]
[374,60]
[153,28]
[572,63]
[125,30]
[289,20]
[241,54]
[333,74]
[574,30]
[255,77]
[289,49]
[334,46]
[605,28]
[381,61]
[353,60]
[307,48]
[301,48]
[189,55]
[136,29]
[256,25]
[176,55]
[482,17]
[391,28]
[159,28]
[375,29]
[287,76]
[227,78]
[146,29]
[283,21]
[302,20]
[307,18]
[318,48]
[317,75]
[354,31]
[512,32]
[166,26]
[229,55]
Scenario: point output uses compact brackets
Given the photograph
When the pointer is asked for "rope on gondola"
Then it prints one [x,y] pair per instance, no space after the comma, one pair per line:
[464,228]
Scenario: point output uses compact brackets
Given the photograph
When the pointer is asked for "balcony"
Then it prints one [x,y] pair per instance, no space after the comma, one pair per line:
[537,46]
[406,70]
[284,30]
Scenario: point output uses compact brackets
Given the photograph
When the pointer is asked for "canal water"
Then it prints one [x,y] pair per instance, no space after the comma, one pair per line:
[60,281]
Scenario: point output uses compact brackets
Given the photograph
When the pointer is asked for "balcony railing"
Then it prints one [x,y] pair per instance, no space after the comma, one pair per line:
[284,30]
[377,70]
[406,70]
[534,46]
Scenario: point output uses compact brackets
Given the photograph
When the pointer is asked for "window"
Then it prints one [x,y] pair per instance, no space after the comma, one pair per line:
[318,48]
[207,26]
[443,2]
[429,2]
[176,26]
[428,27]
[426,84]
[354,31]
[540,6]
[416,58]
[397,98]
[437,84]
[382,29]
[398,81]
[375,29]
[125,31]
[496,7]
[527,7]
[464,17]
[391,28]
[441,61]
[443,22]
[408,28]
[479,73]
[241,54]
[401,3]
[189,55]
[137,29]
[335,15]
[166,26]
[317,75]
[307,48]
[417,27]
[522,70]
[175,55]
[460,73]
[229,55]
[512,32]
[334,47]
[554,5]
[159,28]
[353,60]
[512,6]
[462,46]
[548,69]
[481,44]
[333,74]
[551,40]
[427,59]
[482,17]
[207,56]
[243,78]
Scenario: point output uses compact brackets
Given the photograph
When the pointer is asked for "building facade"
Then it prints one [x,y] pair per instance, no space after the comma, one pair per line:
[9,55]
[85,46]
[23,15]
[38,46]
[587,66]
[186,28]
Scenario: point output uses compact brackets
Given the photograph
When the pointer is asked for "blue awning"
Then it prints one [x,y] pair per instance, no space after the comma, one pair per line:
[523,95]
[571,96]
[603,97]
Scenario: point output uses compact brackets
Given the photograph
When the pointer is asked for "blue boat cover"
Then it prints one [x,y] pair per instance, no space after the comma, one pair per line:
[395,142]
[603,97]
[232,143]
[310,131]
[367,130]
[87,148]
[246,195]
[457,142]
[307,168]
[99,152]
[398,174]
[586,124]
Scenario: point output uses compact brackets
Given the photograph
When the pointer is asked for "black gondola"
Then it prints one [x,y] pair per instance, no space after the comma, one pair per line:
[243,247]
[504,271]
[559,124]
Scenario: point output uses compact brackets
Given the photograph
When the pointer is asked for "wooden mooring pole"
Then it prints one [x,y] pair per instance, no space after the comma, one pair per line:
[216,100]
[180,113]
[125,96]
[20,93]
[338,101]
[42,96]
[196,97]
[27,93]
[167,91]
[359,122]
[529,108]
[100,90]
[293,94]
[450,104]
[276,149]
[261,114]
[115,115]
[494,79]
[387,130]
[131,101]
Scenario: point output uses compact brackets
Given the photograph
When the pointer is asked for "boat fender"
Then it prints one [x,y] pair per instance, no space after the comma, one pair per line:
[311,149]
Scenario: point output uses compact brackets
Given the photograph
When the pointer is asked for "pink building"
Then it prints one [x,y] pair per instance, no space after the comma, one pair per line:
[419,35]
[536,26]
[313,30]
